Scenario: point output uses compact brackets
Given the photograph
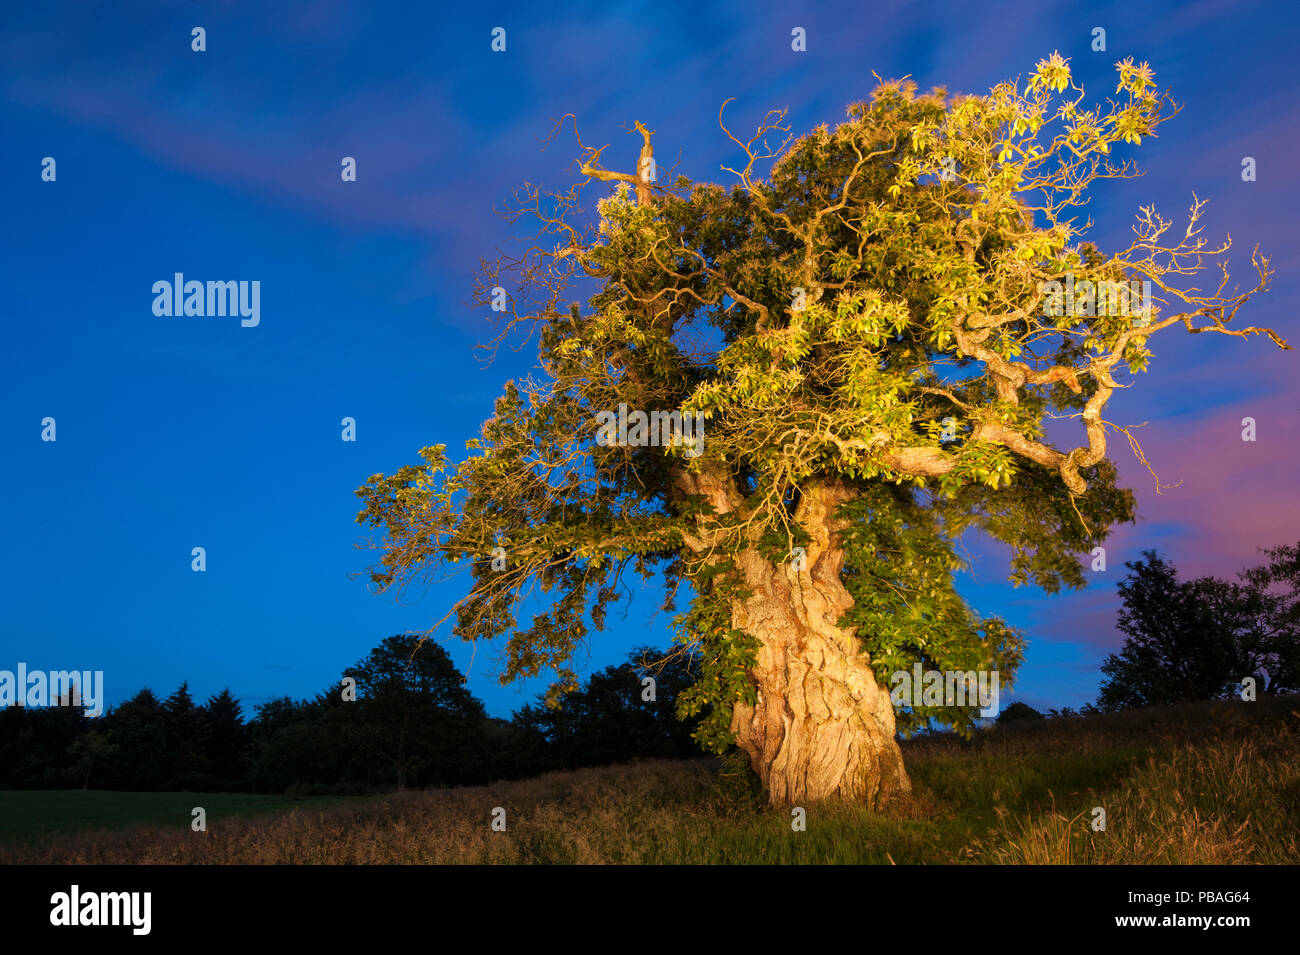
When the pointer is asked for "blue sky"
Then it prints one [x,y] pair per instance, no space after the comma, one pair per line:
[183,432]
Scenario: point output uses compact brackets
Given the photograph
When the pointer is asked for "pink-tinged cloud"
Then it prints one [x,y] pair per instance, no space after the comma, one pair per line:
[1235,495]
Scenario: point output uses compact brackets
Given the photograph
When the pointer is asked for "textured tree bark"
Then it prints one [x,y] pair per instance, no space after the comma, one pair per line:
[822,728]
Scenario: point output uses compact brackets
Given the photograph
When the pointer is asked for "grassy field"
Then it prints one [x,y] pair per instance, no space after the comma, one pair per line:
[25,815]
[1205,783]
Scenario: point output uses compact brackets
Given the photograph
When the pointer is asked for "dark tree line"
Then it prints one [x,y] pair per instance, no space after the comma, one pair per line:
[399,718]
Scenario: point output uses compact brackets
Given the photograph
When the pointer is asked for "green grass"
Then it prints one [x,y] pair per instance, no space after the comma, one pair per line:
[1207,783]
[25,815]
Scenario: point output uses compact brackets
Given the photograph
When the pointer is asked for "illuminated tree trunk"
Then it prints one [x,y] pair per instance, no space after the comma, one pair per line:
[821,728]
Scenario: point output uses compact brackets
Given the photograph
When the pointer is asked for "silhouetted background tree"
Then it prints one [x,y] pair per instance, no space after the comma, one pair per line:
[414,716]
[1199,639]
[615,717]
[1019,711]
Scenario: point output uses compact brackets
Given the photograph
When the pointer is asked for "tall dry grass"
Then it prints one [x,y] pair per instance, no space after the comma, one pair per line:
[1225,801]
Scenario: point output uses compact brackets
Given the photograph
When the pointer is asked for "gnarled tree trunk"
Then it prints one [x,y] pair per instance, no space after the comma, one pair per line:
[821,727]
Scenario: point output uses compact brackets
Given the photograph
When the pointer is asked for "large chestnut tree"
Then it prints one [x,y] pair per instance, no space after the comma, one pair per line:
[859,321]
